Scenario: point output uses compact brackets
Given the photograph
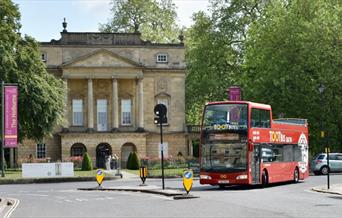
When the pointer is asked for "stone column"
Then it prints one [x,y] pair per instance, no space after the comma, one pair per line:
[12,158]
[115,103]
[140,96]
[66,103]
[90,105]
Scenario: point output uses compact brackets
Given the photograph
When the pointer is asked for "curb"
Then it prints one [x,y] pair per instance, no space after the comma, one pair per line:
[319,189]
[150,191]
[52,180]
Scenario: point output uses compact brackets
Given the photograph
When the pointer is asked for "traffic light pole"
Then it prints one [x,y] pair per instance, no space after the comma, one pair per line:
[162,148]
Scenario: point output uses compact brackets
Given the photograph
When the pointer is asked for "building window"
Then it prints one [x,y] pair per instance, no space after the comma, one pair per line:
[41,150]
[78,150]
[162,58]
[102,115]
[44,57]
[126,109]
[77,112]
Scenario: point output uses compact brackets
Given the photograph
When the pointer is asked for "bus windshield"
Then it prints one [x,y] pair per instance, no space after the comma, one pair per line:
[225,117]
[230,157]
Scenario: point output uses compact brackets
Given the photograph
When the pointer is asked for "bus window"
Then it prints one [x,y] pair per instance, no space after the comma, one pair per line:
[261,118]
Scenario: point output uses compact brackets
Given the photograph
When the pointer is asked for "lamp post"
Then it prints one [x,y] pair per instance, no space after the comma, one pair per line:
[327,149]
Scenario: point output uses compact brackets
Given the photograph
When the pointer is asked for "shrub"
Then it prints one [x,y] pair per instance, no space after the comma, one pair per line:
[129,160]
[87,164]
[77,160]
[134,163]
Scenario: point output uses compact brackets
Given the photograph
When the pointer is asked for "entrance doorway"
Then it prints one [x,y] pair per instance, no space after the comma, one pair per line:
[126,149]
[102,151]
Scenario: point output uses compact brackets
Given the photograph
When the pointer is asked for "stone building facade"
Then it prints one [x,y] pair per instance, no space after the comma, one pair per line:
[113,82]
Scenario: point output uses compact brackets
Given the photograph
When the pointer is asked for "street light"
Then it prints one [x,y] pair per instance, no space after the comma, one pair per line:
[327,149]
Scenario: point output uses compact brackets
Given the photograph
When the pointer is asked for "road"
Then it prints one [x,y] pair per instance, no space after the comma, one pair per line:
[283,200]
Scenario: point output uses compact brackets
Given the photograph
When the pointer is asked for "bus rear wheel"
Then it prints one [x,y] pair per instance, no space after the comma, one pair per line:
[264,179]
[296,176]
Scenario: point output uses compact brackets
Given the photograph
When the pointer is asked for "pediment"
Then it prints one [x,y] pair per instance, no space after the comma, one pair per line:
[102,58]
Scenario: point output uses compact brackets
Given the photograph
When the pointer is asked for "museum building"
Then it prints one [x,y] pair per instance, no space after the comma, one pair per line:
[113,82]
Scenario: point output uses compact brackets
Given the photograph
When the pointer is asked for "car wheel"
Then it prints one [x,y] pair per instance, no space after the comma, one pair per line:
[324,170]
[296,176]
[264,179]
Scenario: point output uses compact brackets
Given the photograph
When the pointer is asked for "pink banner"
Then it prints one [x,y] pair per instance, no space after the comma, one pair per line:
[11,116]
[234,93]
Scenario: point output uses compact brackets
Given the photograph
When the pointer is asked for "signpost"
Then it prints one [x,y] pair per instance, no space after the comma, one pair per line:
[9,134]
[160,110]
[99,177]
[188,176]
[187,180]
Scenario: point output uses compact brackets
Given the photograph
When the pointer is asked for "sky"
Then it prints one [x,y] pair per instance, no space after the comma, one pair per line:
[42,19]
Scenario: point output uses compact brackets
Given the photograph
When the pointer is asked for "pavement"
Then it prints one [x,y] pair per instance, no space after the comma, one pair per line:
[333,189]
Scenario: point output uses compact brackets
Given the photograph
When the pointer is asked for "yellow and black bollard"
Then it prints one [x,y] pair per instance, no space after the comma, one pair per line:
[188,175]
[143,175]
[99,178]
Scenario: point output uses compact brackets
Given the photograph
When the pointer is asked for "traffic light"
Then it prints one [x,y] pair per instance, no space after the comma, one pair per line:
[160,110]
[157,120]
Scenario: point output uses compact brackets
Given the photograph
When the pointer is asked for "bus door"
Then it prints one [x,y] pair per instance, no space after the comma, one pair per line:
[256,164]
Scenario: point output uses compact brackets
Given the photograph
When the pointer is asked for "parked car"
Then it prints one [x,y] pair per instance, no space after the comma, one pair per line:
[319,164]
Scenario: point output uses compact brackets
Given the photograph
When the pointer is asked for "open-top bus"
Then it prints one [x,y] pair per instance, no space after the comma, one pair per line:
[242,145]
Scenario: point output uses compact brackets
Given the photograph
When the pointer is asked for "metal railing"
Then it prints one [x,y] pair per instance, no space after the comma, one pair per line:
[193,128]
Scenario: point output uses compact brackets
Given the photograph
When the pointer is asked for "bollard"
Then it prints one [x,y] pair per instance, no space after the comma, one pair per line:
[143,174]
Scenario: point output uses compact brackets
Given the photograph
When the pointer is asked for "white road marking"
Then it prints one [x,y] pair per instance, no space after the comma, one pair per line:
[14,206]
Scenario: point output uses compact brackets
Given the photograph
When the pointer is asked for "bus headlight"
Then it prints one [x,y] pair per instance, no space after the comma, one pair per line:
[241,177]
[205,176]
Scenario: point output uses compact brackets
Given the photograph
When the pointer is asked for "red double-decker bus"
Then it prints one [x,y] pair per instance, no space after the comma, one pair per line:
[242,145]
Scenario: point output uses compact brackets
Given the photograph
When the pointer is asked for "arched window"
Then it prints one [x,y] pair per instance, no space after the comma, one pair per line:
[78,149]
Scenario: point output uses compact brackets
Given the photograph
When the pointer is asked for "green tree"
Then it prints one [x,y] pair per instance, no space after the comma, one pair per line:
[290,51]
[87,164]
[129,160]
[133,162]
[41,102]
[155,20]
[215,51]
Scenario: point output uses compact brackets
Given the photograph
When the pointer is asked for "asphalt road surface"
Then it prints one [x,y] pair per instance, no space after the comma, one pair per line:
[281,200]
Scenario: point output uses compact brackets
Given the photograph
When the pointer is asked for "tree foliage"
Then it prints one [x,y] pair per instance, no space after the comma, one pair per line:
[133,161]
[214,51]
[87,164]
[155,20]
[291,50]
[41,103]
[278,51]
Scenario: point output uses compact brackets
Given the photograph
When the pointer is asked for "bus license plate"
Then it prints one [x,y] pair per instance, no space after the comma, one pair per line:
[223,181]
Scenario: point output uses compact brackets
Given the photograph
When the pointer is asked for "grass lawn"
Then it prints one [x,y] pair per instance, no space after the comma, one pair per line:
[158,172]
[16,174]
[12,174]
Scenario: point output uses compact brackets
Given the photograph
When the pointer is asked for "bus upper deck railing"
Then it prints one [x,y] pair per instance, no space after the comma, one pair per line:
[295,121]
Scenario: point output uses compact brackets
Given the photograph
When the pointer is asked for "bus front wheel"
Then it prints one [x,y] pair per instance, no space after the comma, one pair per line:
[296,176]
[264,179]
